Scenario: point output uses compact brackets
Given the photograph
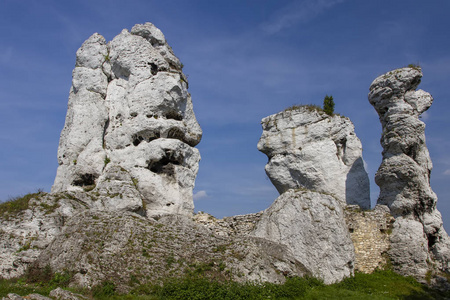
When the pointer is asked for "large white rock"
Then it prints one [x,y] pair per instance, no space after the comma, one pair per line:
[419,243]
[129,110]
[312,225]
[309,149]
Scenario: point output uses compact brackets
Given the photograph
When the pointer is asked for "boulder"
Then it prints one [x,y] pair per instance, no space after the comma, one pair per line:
[313,227]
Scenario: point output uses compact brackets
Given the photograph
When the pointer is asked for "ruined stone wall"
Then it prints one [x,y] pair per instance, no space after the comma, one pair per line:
[229,226]
[370,233]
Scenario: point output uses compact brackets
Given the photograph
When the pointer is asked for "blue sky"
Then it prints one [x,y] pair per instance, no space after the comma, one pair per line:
[245,60]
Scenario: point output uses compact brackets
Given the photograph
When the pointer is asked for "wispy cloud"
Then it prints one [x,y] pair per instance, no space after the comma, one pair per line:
[297,12]
[447,172]
[200,195]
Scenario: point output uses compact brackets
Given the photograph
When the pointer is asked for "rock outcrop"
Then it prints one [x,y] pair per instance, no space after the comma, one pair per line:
[309,149]
[315,162]
[116,246]
[313,227]
[130,128]
[121,207]
[419,243]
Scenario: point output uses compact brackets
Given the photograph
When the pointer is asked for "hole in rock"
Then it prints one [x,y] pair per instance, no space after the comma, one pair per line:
[174,116]
[432,239]
[166,164]
[145,135]
[154,68]
[85,180]
[411,152]
[137,140]
[175,133]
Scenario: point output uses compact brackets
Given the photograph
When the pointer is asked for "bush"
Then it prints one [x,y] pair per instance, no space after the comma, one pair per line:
[328,105]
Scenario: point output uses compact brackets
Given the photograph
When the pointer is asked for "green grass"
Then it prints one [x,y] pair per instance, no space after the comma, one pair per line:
[379,285]
[17,204]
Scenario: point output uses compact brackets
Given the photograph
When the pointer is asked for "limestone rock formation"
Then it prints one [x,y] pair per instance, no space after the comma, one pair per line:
[116,246]
[25,233]
[419,243]
[313,227]
[130,128]
[310,149]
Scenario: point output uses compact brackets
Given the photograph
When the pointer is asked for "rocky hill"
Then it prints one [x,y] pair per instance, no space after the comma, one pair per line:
[121,207]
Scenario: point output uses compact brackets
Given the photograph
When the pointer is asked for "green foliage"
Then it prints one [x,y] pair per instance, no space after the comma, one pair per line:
[106,289]
[328,105]
[107,160]
[309,107]
[17,204]
[382,284]
[414,66]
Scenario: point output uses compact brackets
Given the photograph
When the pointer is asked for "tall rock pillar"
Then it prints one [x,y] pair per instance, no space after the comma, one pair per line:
[130,128]
[419,243]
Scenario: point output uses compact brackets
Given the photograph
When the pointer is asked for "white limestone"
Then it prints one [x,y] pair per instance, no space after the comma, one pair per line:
[129,109]
[309,149]
[312,225]
[419,243]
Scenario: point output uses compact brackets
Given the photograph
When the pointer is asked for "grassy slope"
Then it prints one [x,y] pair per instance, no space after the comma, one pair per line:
[379,285]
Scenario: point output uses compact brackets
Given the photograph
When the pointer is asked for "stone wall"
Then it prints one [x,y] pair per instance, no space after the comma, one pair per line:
[229,226]
[370,232]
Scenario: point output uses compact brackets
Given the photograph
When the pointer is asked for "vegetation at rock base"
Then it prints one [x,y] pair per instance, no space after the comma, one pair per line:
[15,205]
[382,284]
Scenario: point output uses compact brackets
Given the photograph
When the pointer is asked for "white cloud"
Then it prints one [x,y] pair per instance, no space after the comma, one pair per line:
[447,172]
[200,195]
[296,12]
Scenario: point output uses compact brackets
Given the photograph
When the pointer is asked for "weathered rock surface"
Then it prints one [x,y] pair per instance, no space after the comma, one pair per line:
[313,227]
[114,246]
[130,127]
[57,293]
[309,149]
[419,243]
[26,232]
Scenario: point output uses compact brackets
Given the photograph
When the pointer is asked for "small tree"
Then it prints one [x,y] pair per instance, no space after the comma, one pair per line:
[328,105]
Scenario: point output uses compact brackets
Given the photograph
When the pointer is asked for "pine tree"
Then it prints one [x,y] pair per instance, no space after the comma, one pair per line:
[328,105]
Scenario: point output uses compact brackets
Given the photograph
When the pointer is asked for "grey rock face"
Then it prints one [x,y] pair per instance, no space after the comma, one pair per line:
[130,127]
[115,246]
[419,242]
[312,225]
[309,149]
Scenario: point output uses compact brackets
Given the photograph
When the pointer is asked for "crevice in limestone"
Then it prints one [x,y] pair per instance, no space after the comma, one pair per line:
[105,128]
[341,146]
